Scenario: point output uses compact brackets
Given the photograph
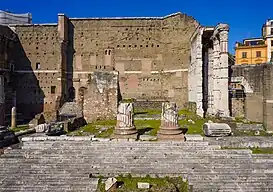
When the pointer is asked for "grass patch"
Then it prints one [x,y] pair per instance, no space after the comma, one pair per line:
[262,150]
[151,126]
[94,129]
[20,128]
[256,150]
[143,126]
[156,184]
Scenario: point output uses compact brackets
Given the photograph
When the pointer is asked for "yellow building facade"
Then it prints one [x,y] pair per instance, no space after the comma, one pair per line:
[251,51]
[256,50]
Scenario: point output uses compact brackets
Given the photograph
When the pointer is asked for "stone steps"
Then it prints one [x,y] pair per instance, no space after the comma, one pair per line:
[207,167]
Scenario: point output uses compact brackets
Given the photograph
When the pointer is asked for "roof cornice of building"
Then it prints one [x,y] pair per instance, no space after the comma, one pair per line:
[125,18]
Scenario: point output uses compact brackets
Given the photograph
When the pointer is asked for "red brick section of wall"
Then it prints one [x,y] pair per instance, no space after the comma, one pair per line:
[259,104]
[101,96]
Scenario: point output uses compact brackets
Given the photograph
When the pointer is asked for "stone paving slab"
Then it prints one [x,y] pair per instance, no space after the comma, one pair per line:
[242,142]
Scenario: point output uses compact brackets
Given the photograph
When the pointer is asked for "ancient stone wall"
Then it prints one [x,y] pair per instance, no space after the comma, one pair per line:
[208,70]
[41,63]
[100,97]
[37,69]
[54,62]
[151,54]
[259,92]
[8,41]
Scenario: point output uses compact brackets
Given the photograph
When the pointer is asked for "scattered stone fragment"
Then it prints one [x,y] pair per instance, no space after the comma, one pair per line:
[142,185]
[147,138]
[257,133]
[111,184]
[194,137]
[191,121]
[42,128]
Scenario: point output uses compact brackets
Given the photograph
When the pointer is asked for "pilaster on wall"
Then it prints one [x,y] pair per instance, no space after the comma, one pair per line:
[223,72]
[195,72]
[62,66]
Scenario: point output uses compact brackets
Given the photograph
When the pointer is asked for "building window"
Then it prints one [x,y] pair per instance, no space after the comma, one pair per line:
[258,53]
[271,43]
[271,58]
[271,31]
[38,66]
[244,54]
[53,89]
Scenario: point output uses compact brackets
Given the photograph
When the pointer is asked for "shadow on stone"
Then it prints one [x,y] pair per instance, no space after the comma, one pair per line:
[184,130]
[143,131]
[120,183]
[140,113]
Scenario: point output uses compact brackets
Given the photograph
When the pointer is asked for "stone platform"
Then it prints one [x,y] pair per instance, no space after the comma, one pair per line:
[73,163]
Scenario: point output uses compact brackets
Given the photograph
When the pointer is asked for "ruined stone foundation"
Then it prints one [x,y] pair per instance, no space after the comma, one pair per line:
[169,128]
[125,127]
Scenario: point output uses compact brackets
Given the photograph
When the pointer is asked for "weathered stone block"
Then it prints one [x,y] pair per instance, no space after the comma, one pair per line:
[169,128]
[216,129]
[101,97]
[111,185]
[142,185]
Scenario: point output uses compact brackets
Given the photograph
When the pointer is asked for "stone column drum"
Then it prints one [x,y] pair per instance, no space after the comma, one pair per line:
[169,128]
[125,127]
[13,117]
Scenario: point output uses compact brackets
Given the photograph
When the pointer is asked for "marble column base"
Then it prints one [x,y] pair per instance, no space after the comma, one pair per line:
[125,132]
[170,133]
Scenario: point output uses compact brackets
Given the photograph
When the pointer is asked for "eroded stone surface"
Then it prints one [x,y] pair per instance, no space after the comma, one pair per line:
[216,129]
[169,128]
[125,121]
[111,184]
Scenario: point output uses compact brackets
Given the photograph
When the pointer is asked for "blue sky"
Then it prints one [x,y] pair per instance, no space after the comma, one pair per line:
[245,17]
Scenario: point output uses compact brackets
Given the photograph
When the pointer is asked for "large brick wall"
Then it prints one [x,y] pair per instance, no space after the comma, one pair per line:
[151,54]
[258,101]
[53,62]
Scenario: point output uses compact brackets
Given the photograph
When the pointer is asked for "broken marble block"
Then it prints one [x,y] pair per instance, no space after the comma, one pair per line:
[216,129]
[42,128]
[110,184]
[142,185]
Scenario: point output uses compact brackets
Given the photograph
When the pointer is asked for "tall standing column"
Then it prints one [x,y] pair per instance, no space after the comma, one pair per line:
[125,127]
[223,75]
[216,70]
[2,100]
[211,110]
[169,128]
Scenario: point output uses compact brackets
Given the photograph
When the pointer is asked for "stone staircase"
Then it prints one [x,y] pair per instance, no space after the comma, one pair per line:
[72,164]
